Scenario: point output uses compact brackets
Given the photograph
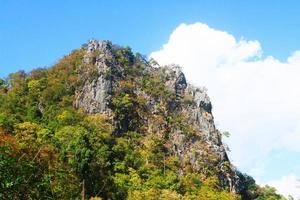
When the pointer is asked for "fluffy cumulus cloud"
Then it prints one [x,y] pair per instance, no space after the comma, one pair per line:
[287,185]
[255,97]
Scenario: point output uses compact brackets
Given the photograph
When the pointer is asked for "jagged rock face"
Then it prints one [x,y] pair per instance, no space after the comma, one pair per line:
[175,81]
[200,115]
[95,96]
[189,101]
[198,112]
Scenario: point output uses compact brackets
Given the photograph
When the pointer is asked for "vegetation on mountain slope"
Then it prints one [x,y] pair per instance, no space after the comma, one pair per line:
[51,150]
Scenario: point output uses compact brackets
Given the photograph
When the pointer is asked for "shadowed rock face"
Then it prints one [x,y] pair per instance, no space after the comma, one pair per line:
[189,101]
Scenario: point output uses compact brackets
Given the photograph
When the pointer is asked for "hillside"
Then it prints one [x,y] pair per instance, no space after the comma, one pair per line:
[103,122]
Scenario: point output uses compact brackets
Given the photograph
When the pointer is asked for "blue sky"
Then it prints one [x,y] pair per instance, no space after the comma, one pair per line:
[259,41]
[36,33]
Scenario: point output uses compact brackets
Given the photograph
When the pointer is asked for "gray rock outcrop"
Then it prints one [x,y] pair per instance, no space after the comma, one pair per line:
[190,102]
[198,110]
[95,95]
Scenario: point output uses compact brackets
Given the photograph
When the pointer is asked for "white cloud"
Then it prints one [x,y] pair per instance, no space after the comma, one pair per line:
[287,185]
[255,98]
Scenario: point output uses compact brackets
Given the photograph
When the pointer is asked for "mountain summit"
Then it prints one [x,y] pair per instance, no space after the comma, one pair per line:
[174,110]
[105,123]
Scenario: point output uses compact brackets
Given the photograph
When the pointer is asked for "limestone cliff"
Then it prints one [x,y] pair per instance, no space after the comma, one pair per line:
[95,95]
[180,113]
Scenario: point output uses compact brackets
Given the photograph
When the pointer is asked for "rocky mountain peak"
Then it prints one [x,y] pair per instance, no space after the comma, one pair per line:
[190,104]
[104,49]
[95,94]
